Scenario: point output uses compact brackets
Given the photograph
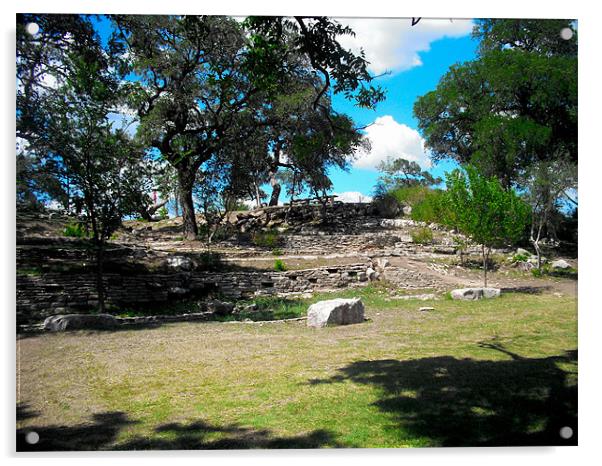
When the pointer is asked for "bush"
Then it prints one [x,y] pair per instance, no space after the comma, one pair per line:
[266,239]
[279,266]
[430,209]
[410,195]
[76,230]
[163,214]
[520,258]
[387,205]
[277,252]
[422,236]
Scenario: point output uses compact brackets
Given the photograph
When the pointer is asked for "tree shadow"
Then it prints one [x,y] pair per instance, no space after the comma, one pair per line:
[467,402]
[198,436]
[102,433]
[96,435]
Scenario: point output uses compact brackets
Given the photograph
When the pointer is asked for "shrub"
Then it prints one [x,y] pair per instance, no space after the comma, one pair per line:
[410,195]
[430,209]
[76,230]
[387,205]
[266,239]
[422,236]
[163,214]
[277,252]
[279,266]
[520,258]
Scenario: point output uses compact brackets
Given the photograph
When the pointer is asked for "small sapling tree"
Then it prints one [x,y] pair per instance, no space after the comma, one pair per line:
[484,211]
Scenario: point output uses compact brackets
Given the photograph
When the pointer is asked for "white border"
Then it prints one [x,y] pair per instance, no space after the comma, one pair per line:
[590,195]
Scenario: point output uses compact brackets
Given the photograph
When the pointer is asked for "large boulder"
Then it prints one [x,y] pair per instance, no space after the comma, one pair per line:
[60,323]
[560,264]
[335,312]
[468,294]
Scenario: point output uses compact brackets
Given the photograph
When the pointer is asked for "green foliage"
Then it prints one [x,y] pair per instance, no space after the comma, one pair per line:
[279,266]
[484,211]
[76,230]
[431,209]
[514,105]
[266,239]
[422,236]
[277,252]
[404,173]
[163,214]
[410,195]
[520,258]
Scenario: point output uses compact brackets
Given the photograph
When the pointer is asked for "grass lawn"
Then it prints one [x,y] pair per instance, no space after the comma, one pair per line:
[493,372]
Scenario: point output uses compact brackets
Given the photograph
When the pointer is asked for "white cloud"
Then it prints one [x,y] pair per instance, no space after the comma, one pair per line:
[390,139]
[393,44]
[352,196]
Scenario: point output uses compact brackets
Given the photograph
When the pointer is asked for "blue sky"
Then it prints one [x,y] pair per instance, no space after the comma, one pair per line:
[403,88]
[415,59]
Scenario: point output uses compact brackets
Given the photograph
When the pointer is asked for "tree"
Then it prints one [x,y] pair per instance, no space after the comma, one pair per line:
[484,211]
[199,76]
[399,172]
[69,129]
[547,183]
[515,105]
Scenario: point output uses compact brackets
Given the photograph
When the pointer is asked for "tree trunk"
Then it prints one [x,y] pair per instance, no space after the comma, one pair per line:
[185,183]
[276,188]
[257,195]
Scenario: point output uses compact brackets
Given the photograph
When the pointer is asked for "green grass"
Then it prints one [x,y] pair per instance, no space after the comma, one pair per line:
[500,371]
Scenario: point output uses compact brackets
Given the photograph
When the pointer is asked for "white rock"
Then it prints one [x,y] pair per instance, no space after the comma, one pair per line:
[180,263]
[426,309]
[468,294]
[335,312]
[561,264]
[371,273]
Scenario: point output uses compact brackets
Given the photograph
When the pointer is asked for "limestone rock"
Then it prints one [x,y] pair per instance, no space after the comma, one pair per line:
[381,263]
[220,308]
[424,309]
[371,273]
[522,252]
[60,323]
[335,312]
[180,263]
[561,264]
[467,294]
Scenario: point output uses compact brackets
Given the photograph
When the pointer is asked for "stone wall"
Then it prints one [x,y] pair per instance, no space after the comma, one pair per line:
[334,217]
[39,296]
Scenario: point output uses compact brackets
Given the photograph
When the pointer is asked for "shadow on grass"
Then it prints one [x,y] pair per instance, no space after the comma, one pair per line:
[466,402]
[102,433]
[97,435]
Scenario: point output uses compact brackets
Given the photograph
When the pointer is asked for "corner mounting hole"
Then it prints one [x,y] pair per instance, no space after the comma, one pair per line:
[32,28]
[566,432]
[566,33]
[32,438]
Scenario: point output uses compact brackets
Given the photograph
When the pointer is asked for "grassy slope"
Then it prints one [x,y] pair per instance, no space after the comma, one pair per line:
[469,373]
